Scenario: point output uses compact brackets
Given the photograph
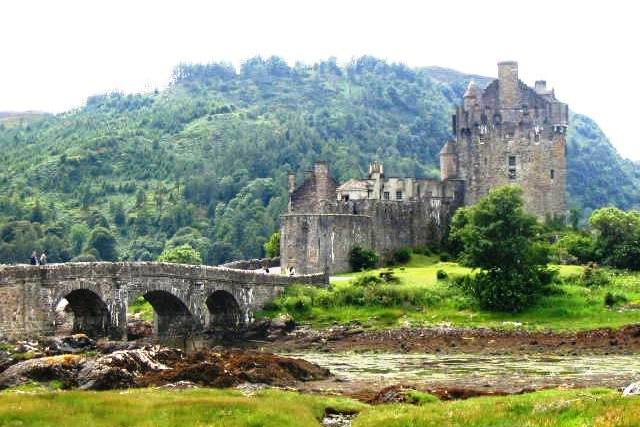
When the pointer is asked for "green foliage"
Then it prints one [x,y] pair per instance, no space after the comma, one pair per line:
[104,243]
[441,274]
[184,254]
[503,241]
[362,259]
[574,247]
[617,237]
[611,299]
[594,276]
[401,256]
[272,246]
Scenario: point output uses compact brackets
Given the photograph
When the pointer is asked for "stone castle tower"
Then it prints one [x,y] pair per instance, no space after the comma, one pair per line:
[510,133]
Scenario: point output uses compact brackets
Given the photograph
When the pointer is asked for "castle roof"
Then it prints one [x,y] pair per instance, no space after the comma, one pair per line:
[448,148]
[354,185]
[472,90]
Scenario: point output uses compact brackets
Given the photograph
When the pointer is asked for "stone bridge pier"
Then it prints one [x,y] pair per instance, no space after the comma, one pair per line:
[185,298]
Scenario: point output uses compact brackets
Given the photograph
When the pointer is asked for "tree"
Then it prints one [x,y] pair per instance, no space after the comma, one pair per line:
[104,243]
[78,236]
[501,240]
[617,237]
[184,254]
[272,246]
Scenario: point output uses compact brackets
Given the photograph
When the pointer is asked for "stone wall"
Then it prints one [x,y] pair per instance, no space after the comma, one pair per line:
[182,295]
[253,264]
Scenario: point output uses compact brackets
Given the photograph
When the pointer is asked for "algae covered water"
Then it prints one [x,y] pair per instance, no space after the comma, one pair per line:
[479,369]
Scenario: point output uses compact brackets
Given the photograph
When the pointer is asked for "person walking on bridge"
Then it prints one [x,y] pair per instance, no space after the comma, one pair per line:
[43,258]
[34,258]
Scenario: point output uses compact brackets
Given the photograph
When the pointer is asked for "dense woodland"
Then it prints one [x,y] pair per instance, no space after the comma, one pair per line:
[204,162]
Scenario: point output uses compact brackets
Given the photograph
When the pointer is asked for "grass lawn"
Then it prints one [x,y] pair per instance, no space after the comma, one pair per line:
[420,299]
[229,408]
[595,407]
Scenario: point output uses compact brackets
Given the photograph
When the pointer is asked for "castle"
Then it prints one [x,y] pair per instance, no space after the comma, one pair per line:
[507,133]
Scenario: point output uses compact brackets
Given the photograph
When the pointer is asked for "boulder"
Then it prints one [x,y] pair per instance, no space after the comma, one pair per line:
[62,368]
[632,389]
[121,368]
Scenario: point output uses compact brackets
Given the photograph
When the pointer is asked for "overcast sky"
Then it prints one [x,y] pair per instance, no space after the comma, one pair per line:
[53,54]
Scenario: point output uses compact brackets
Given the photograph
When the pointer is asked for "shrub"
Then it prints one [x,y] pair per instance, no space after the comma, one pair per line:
[272,246]
[402,256]
[389,276]
[445,257]
[510,291]
[574,248]
[593,276]
[184,254]
[441,274]
[362,259]
[366,280]
[611,299]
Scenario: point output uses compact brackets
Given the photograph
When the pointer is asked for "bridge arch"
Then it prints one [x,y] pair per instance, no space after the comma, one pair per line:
[89,312]
[224,312]
[172,316]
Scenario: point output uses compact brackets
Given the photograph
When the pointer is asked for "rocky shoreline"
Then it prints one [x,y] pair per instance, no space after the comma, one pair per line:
[443,340]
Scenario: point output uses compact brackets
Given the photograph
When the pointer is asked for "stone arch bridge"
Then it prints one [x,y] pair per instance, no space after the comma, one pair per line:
[185,298]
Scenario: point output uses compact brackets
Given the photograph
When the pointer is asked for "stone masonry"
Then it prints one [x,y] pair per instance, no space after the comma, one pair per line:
[185,298]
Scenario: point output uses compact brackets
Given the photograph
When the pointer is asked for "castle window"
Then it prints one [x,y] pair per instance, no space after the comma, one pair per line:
[386,195]
[398,195]
[552,174]
[512,167]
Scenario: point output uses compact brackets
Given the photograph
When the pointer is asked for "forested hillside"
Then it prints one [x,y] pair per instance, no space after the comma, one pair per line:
[204,162]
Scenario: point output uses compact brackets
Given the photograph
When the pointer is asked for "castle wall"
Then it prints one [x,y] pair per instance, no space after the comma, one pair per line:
[312,243]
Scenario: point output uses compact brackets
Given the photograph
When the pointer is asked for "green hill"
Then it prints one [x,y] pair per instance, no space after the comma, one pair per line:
[205,161]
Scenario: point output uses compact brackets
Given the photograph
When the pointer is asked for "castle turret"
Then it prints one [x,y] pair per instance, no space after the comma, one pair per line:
[471,95]
[508,85]
[449,161]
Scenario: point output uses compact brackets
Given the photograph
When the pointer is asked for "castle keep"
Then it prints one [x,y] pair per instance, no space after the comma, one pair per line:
[507,133]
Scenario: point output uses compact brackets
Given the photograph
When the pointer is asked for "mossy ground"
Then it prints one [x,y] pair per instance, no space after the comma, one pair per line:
[420,299]
[229,408]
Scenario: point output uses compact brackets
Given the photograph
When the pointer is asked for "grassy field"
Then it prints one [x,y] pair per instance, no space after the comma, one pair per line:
[420,299]
[229,408]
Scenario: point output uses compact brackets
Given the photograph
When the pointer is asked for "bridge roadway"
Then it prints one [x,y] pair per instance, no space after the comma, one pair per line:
[185,298]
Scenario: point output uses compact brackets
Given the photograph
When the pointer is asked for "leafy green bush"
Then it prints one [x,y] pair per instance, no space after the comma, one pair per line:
[362,259]
[272,246]
[184,254]
[611,299]
[510,292]
[593,276]
[401,256]
[441,274]
[574,248]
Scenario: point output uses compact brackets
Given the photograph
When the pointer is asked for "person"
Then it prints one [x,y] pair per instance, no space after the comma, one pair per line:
[291,271]
[34,258]
[43,258]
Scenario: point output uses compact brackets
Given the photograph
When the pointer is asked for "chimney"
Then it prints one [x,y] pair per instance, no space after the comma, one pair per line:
[291,180]
[541,87]
[508,84]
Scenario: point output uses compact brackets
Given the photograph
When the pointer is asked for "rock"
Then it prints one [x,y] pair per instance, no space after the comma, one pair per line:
[138,328]
[76,343]
[632,389]
[180,385]
[249,389]
[121,368]
[63,368]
